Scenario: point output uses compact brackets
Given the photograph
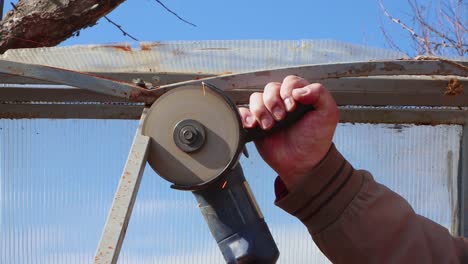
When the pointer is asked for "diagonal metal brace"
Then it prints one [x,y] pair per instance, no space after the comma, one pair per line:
[79,79]
[119,215]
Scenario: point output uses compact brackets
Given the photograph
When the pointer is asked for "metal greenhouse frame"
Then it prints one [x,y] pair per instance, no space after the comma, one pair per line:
[425,91]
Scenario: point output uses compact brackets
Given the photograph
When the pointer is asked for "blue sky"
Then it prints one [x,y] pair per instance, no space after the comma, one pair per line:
[350,21]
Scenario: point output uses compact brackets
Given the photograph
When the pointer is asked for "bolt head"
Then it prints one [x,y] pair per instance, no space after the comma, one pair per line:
[188,134]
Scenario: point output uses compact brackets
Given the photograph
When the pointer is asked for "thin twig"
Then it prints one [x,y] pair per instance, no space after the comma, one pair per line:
[174,13]
[457,29]
[14,6]
[426,25]
[120,28]
[423,39]
[389,40]
[401,24]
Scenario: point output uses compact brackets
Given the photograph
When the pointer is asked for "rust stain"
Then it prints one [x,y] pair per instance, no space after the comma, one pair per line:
[147,47]
[264,73]
[226,73]
[391,66]
[119,47]
[454,87]
[18,115]
[147,96]
[352,71]
[14,71]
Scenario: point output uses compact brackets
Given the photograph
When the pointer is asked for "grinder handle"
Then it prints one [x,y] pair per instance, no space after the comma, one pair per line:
[252,134]
[236,222]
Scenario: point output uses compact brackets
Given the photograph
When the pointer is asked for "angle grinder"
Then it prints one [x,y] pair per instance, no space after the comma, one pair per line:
[196,141]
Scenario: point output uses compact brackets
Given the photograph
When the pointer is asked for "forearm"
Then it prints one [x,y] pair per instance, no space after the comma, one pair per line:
[353,219]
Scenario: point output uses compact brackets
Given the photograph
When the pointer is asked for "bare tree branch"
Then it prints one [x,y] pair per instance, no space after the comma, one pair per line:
[435,30]
[426,25]
[47,23]
[119,27]
[174,13]
[389,40]
[399,22]
[14,6]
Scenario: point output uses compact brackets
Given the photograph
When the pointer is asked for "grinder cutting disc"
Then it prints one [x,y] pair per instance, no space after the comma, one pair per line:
[195,135]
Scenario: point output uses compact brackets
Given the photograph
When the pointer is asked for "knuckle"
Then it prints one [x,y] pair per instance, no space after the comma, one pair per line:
[272,87]
[270,97]
[257,110]
[256,104]
[291,78]
[255,95]
[293,81]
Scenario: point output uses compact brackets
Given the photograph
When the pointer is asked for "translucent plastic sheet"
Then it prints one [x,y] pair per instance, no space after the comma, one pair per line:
[210,56]
[58,177]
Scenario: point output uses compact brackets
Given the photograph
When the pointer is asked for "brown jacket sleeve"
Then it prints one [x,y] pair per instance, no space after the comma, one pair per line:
[353,219]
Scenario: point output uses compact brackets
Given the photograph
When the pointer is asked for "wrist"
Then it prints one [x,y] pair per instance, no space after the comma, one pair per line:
[305,165]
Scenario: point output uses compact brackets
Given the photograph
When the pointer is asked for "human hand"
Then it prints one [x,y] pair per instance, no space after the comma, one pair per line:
[294,151]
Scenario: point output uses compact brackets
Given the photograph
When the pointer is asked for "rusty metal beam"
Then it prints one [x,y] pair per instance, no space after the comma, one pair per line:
[430,116]
[70,111]
[243,81]
[375,91]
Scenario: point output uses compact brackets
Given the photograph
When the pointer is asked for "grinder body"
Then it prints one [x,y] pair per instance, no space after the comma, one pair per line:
[235,220]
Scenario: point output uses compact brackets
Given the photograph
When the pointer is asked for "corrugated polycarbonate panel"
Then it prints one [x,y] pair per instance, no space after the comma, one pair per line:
[58,179]
[210,56]
[418,162]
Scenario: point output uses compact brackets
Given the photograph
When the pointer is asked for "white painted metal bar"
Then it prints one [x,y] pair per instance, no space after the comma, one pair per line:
[119,214]
[463,180]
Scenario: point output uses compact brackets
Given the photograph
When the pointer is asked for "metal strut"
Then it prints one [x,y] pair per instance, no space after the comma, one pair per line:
[115,228]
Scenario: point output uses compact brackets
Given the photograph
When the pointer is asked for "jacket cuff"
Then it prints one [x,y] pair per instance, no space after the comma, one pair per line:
[323,194]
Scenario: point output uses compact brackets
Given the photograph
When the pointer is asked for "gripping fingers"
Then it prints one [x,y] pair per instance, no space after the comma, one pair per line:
[248,119]
[289,84]
[259,110]
[273,101]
